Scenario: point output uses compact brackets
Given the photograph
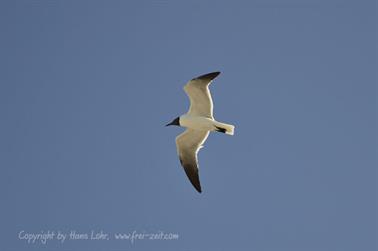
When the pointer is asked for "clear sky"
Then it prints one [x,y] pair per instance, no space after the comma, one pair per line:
[86,88]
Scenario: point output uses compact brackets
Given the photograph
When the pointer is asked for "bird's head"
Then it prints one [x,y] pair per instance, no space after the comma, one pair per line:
[175,122]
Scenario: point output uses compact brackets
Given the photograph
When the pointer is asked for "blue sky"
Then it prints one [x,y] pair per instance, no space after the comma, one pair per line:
[86,88]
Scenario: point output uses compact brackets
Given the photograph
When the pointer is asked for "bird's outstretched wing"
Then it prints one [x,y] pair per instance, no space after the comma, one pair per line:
[197,89]
[188,144]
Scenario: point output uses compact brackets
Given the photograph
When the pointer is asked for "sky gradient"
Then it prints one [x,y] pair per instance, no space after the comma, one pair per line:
[86,88]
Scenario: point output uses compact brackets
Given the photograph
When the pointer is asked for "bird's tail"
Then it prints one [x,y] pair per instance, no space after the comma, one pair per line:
[225,128]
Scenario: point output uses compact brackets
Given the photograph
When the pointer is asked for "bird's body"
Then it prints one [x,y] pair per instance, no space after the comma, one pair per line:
[205,124]
[199,122]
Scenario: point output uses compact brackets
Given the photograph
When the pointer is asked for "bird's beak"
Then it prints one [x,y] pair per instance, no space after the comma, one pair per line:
[169,124]
[176,121]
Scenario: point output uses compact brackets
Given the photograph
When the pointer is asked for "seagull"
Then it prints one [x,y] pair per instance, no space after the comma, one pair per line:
[199,122]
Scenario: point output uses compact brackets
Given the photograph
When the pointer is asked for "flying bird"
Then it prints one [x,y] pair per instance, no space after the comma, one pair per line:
[199,122]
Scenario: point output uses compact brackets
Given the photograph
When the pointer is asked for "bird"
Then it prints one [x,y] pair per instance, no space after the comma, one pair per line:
[199,122]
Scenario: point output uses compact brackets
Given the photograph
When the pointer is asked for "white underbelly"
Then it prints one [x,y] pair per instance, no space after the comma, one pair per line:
[197,123]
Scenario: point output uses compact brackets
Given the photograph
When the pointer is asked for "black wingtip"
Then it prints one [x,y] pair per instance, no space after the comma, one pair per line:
[208,76]
[192,173]
[199,190]
[196,183]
